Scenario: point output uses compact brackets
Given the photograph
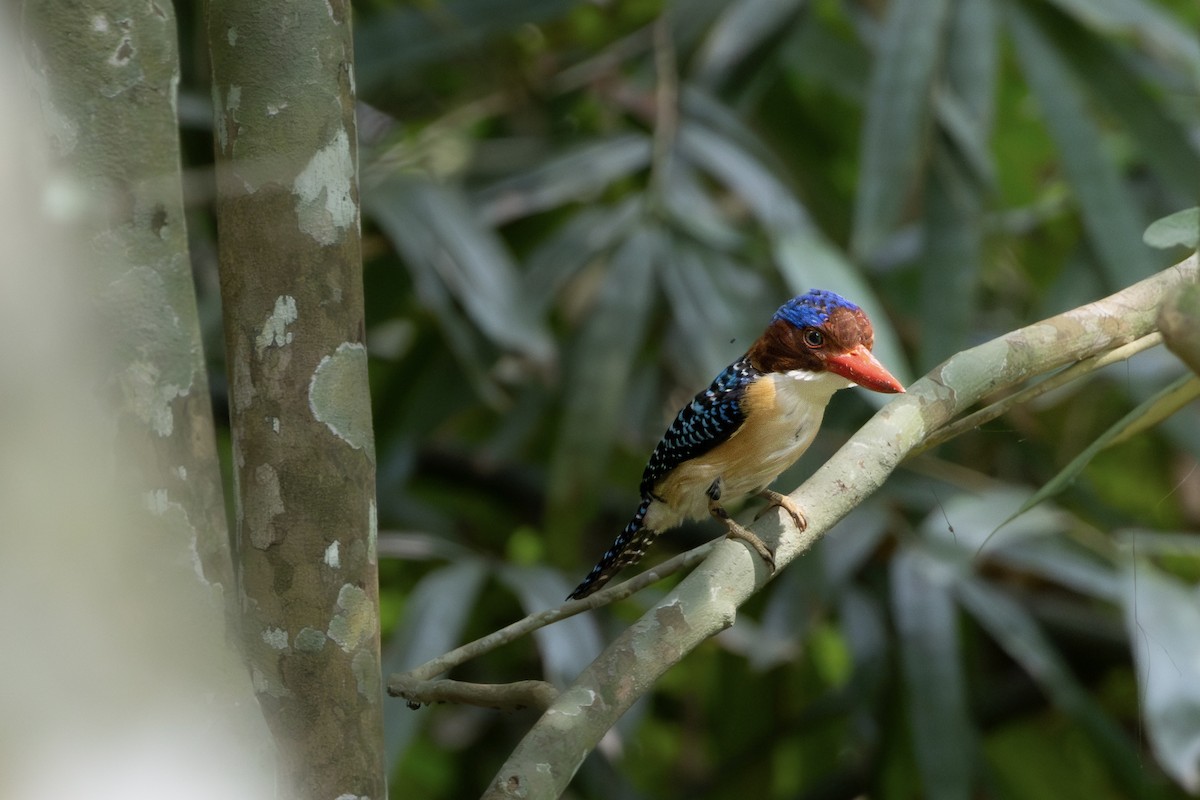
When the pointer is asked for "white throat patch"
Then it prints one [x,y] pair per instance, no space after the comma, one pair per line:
[824,379]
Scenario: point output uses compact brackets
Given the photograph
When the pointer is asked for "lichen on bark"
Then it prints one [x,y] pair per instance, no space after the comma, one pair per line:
[291,287]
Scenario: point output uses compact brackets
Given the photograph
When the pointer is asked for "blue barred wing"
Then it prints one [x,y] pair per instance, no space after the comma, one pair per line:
[711,418]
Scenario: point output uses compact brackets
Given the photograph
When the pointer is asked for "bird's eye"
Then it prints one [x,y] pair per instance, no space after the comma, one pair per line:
[814,338]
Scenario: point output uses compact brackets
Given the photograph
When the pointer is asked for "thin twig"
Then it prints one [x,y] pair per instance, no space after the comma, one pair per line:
[540,619]
[605,63]
[1073,372]
[500,696]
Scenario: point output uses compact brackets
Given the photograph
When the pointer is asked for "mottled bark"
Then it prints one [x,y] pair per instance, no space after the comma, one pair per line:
[291,284]
[106,72]
[1179,320]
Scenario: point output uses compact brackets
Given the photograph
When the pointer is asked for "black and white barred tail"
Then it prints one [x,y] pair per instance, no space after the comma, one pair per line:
[625,551]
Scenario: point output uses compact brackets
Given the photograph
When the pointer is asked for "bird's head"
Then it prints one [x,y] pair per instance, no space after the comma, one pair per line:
[822,332]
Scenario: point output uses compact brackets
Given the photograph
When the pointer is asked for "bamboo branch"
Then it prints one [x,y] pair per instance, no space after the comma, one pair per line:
[707,601]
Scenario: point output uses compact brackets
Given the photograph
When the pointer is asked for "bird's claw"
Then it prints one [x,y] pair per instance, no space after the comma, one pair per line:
[776,500]
[736,531]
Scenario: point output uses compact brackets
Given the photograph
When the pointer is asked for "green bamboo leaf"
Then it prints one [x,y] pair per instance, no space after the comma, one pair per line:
[588,234]
[472,363]
[962,172]
[1181,229]
[778,635]
[1162,616]
[600,365]
[1032,544]
[438,234]
[1150,24]
[693,209]
[965,520]
[710,113]
[742,27]
[853,541]
[1110,216]
[575,176]
[818,53]
[899,109]
[969,137]
[805,258]
[1159,408]
[952,258]
[1116,82]
[1059,560]
[435,616]
[715,321]
[1016,632]
[732,163]
[927,627]
[864,624]
[973,59]
[566,647]
[965,103]
[411,36]
[1154,543]
[796,604]
[1146,415]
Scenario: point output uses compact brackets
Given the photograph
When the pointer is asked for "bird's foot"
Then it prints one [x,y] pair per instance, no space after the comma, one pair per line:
[776,500]
[736,531]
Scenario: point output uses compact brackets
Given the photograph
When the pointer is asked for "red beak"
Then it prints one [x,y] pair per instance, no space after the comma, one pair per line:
[860,366]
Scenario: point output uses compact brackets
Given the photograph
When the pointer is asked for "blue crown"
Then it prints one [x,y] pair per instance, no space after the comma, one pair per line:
[811,310]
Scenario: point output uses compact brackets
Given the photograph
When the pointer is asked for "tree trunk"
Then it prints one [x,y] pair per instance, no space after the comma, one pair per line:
[291,286]
[107,72]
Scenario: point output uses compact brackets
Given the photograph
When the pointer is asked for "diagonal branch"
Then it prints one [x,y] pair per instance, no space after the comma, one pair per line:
[707,601]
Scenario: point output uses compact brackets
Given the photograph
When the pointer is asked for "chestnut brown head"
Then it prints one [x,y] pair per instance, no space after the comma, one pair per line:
[822,332]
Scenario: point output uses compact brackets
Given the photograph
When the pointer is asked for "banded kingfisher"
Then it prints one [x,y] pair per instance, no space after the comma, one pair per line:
[752,423]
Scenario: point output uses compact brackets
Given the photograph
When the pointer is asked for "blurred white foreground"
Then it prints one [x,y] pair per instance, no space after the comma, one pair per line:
[116,676]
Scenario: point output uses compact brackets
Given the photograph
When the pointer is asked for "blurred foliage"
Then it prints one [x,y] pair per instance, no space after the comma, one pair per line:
[577,213]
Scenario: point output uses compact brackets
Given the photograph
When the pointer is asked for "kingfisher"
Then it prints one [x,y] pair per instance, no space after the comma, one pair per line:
[752,423]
